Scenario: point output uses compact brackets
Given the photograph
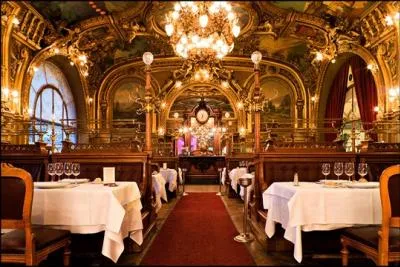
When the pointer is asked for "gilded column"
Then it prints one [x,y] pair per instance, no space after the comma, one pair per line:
[148,59]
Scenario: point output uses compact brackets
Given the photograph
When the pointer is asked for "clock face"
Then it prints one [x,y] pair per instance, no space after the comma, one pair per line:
[202,116]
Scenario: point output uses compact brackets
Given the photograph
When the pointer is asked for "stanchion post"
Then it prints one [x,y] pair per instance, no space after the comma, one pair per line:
[245,236]
[184,181]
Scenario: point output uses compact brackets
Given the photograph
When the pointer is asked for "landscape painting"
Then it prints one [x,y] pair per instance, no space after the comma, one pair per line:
[279,101]
[125,105]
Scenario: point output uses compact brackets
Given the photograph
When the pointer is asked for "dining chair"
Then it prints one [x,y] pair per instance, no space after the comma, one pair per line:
[26,243]
[380,243]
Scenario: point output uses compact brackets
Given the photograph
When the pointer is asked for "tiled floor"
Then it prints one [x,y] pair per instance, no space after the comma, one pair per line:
[235,210]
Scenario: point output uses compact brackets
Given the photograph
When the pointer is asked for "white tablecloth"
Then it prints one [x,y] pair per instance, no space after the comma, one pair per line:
[310,207]
[170,176]
[91,208]
[223,178]
[159,188]
[234,176]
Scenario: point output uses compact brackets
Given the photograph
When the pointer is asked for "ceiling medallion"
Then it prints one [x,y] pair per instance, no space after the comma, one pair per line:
[202,31]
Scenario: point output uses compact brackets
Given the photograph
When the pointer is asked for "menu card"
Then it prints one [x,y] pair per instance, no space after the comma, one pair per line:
[109,175]
[164,166]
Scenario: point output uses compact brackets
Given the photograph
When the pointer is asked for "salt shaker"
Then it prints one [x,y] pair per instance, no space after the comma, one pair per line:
[296,179]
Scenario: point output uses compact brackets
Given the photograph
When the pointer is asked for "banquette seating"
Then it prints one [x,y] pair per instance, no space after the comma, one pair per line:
[26,243]
[33,158]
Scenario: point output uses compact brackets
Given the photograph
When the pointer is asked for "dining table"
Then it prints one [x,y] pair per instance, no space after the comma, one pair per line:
[171,177]
[311,206]
[88,208]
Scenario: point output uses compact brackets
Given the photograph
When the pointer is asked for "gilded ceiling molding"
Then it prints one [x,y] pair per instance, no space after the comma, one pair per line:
[11,10]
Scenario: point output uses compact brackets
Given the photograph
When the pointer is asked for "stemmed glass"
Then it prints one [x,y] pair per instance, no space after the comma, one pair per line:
[349,169]
[67,169]
[59,169]
[362,169]
[338,169]
[326,170]
[76,170]
[51,170]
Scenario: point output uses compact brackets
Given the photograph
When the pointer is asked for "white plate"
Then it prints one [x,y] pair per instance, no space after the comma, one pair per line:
[49,185]
[363,185]
[72,181]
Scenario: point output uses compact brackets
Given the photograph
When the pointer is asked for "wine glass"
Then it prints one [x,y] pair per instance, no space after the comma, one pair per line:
[326,169]
[338,169]
[51,170]
[76,170]
[362,169]
[68,169]
[59,169]
[349,169]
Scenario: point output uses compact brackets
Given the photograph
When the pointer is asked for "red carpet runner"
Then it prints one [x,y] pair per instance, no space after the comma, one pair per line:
[198,231]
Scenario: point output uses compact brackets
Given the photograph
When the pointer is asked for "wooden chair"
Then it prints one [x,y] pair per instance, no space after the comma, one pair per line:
[27,244]
[380,243]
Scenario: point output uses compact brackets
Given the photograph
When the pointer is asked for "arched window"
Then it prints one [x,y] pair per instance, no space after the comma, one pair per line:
[51,103]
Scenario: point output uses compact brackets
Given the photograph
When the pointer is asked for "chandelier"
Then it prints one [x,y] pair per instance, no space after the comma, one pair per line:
[202,30]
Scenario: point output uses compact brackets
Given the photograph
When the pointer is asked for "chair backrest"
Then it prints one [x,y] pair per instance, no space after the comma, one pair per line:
[16,197]
[390,196]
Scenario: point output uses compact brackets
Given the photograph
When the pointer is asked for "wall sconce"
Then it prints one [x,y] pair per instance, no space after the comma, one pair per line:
[242,131]
[225,84]
[376,109]
[227,115]
[176,115]
[239,105]
[372,67]
[161,131]
[178,84]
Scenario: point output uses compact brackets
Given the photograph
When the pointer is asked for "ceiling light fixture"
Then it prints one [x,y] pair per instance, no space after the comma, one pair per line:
[202,30]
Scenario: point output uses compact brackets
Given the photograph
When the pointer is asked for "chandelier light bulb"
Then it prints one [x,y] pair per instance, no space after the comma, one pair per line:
[236,30]
[203,20]
[256,57]
[15,21]
[319,56]
[333,61]
[175,15]
[177,7]
[169,29]
[231,16]
[389,20]
[227,114]
[148,58]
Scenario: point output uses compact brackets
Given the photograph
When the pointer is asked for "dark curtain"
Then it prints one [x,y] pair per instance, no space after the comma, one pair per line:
[336,99]
[365,91]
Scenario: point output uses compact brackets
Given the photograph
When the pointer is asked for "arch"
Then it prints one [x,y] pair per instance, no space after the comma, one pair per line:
[78,83]
[330,72]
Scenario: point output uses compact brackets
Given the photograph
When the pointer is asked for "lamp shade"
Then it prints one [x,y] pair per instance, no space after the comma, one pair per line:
[148,58]
[256,57]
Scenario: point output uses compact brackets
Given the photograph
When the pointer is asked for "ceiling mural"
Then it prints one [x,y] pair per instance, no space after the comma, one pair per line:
[336,8]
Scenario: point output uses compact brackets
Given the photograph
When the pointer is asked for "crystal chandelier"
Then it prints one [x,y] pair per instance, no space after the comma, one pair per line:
[202,30]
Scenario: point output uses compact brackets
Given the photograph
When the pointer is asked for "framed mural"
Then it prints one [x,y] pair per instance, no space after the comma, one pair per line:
[125,108]
[280,103]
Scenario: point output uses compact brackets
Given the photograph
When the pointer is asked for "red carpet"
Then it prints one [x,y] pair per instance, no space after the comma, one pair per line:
[198,231]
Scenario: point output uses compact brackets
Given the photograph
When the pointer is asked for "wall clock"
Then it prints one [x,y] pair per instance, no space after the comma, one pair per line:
[202,116]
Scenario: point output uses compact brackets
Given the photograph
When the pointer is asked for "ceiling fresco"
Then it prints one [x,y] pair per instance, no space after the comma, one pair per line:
[336,8]
[71,12]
